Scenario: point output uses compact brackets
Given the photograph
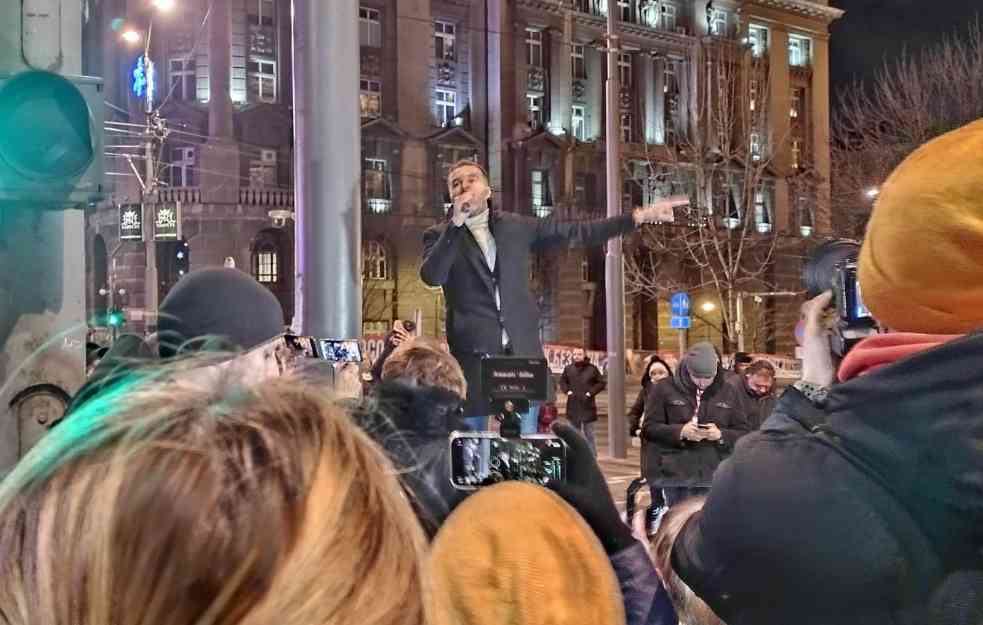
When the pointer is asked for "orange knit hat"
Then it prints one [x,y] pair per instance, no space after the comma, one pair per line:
[921,265]
[517,554]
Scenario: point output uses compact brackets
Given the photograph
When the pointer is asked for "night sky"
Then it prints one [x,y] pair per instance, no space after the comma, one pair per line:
[873,30]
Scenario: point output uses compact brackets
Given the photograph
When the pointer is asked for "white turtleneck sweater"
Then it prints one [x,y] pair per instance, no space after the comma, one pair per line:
[478,225]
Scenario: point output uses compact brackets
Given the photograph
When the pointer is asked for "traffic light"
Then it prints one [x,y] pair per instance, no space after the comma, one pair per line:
[50,140]
[182,258]
[115,318]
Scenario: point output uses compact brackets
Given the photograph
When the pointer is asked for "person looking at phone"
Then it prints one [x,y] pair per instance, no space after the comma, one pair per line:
[481,260]
[692,421]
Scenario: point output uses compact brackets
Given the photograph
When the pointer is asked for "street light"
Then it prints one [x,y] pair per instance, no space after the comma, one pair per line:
[131,36]
[163,5]
[708,306]
[873,192]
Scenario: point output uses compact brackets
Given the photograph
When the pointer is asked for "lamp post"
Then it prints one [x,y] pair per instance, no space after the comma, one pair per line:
[154,133]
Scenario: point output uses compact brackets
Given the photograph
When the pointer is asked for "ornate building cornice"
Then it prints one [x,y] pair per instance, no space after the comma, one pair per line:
[803,7]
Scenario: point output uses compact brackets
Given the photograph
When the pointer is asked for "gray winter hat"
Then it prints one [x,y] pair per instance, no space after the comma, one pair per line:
[701,360]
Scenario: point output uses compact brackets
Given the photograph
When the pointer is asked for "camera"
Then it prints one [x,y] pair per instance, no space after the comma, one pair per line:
[482,458]
[833,267]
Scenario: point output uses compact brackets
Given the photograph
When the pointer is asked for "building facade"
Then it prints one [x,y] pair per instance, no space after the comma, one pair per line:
[517,85]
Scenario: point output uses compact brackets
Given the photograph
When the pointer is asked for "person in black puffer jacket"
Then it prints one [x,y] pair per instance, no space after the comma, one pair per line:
[692,421]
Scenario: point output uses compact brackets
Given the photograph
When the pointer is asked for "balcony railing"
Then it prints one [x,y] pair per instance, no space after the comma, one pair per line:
[185,195]
[250,196]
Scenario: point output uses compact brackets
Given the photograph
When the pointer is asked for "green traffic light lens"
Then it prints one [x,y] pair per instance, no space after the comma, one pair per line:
[45,127]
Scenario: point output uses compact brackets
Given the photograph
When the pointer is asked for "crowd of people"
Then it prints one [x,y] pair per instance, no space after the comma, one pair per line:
[205,476]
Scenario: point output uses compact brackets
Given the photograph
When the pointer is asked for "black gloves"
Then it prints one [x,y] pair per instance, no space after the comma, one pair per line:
[587,491]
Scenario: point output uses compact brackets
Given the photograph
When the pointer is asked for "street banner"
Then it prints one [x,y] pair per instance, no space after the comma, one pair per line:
[130,222]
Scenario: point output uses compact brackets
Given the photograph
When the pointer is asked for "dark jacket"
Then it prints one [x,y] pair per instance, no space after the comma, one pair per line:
[671,403]
[412,424]
[875,500]
[756,407]
[453,260]
[578,380]
[637,409]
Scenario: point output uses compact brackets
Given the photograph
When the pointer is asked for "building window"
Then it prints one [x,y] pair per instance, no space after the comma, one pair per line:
[375,261]
[626,127]
[719,23]
[752,94]
[668,14]
[807,218]
[378,190]
[796,153]
[369,27]
[182,167]
[183,79]
[578,62]
[535,110]
[762,212]
[266,267]
[755,146]
[799,51]
[444,39]
[534,47]
[262,172]
[446,103]
[261,12]
[579,123]
[624,69]
[370,98]
[758,39]
[625,10]
[542,200]
[261,80]
[795,111]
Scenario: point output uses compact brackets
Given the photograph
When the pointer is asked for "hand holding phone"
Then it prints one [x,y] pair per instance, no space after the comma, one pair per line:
[710,431]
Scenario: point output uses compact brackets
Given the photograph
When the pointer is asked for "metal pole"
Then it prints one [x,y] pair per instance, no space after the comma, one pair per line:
[614,267]
[150,303]
[740,321]
[682,344]
[328,172]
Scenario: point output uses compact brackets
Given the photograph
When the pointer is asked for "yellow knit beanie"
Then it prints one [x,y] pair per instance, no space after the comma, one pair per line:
[921,265]
[517,554]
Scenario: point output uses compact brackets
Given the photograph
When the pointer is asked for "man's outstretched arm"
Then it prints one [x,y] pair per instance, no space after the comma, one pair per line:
[550,233]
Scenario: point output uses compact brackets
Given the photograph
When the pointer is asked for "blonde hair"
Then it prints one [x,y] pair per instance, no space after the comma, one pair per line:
[166,501]
[689,607]
[425,361]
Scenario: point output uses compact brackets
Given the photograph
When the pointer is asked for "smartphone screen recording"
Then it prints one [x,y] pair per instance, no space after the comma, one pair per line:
[481,458]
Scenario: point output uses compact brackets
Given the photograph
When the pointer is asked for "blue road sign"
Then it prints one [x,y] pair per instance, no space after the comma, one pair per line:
[679,303]
[680,323]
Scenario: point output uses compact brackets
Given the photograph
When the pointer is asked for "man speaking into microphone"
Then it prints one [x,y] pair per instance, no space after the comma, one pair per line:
[481,260]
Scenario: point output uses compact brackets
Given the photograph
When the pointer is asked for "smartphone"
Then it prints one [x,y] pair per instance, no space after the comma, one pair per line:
[338,350]
[481,458]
